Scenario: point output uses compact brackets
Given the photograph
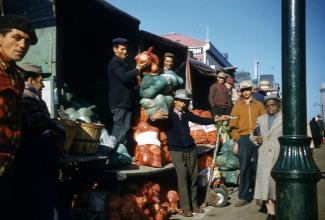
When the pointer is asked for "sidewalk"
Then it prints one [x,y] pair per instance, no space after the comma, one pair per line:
[251,211]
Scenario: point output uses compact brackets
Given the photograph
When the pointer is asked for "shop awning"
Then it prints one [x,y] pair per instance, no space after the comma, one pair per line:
[202,67]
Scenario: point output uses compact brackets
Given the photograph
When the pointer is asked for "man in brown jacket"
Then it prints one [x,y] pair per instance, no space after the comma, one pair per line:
[246,112]
[219,98]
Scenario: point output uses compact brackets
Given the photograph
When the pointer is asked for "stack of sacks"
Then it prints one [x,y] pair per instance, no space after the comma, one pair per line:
[155,89]
[228,162]
[149,150]
[162,137]
[203,134]
[142,203]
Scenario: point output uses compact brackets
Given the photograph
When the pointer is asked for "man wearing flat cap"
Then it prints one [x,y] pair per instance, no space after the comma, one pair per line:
[122,89]
[245,112]
[39,148]
[219,98]
[16,36]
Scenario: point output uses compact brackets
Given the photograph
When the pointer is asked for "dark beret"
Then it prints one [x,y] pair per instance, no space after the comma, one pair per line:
[119,41]
[19,23]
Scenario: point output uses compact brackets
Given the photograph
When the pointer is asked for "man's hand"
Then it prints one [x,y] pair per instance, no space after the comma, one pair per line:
[259,139]
[159,115]
[220,118]
[235,150]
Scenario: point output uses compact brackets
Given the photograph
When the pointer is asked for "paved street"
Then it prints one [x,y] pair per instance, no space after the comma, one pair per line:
[250,212]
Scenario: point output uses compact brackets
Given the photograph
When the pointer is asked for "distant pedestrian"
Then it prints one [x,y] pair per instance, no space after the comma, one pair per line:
[246,112]
[316,131]
[219,98]
[258,96]
[230,86]
[320,123]
[269,129]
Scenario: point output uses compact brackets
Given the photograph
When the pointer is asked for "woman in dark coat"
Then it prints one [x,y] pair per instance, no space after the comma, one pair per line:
[316,132]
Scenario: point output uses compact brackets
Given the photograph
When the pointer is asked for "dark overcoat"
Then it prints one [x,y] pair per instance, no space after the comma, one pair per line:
[122,84]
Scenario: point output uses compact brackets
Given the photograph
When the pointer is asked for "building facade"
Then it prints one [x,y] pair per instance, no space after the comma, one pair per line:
[203,51]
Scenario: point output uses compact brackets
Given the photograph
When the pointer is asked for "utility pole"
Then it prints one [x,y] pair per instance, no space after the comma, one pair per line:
[295,171]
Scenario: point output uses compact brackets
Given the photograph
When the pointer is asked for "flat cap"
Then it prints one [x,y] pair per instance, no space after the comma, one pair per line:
[119,41]
[245,84]
[19,23]
[222,75]
[33,68]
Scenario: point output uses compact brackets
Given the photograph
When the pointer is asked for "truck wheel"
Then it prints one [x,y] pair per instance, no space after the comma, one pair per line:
[218,197]
[224,187]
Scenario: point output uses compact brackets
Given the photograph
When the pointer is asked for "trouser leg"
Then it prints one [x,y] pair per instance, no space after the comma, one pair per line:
[121,125]
[247,165]
[6,197]
[193,171]
[182,178]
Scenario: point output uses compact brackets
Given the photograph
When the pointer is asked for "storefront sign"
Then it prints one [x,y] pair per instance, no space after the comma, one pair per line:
[196,50]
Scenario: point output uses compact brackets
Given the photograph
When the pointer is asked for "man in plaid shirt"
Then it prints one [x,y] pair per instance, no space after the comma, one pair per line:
[16,36]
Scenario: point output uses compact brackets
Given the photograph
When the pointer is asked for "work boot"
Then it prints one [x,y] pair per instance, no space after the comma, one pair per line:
[187,213]
[270,217]
[198,210]
[241,202]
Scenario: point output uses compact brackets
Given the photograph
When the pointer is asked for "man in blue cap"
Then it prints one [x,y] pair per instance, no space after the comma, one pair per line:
[16,36]
[122,84]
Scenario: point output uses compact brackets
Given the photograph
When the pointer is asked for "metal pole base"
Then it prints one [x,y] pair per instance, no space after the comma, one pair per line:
[296,176]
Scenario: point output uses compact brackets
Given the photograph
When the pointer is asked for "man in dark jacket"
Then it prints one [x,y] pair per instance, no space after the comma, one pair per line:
[219,98]
[182,149]
[122,84]
[36,163]
[316,131]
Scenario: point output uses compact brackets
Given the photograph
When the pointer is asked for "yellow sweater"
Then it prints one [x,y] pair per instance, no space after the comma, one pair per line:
[246,114]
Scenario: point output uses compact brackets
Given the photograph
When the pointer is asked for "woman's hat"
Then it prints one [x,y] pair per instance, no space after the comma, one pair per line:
[269,97]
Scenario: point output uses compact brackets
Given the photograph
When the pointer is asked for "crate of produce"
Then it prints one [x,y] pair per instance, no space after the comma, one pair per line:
[86,139]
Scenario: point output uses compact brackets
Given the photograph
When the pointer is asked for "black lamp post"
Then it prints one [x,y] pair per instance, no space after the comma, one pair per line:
[295,171]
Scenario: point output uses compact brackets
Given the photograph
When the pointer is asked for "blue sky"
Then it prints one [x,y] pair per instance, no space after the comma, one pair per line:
[246,29]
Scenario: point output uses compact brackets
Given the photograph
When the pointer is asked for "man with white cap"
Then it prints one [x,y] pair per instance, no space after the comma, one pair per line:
[182,149]
[219,98]
[246,112]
